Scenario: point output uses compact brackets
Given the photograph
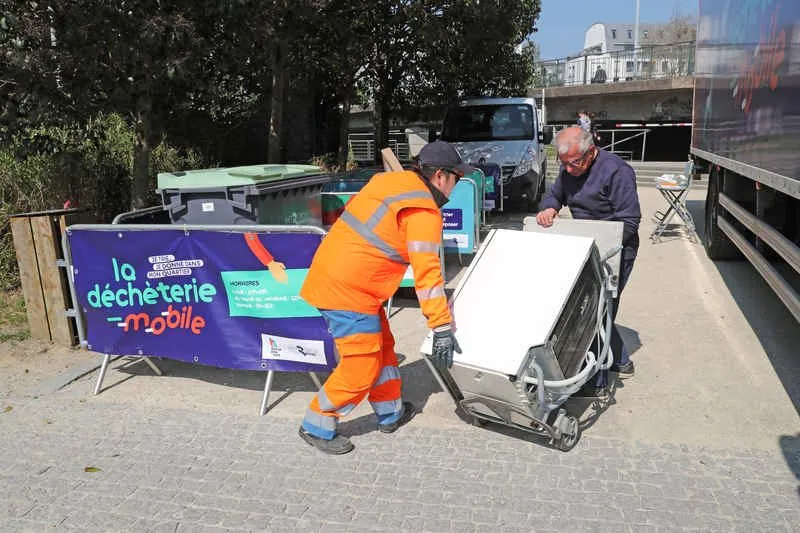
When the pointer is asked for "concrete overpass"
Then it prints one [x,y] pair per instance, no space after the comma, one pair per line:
[643,101]
[625,109]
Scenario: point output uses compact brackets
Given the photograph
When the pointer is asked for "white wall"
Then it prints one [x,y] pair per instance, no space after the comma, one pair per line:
[596,36]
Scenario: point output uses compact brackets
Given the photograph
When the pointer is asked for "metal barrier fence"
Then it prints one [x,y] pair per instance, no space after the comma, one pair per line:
[643,63]
[363,147]
[124,281]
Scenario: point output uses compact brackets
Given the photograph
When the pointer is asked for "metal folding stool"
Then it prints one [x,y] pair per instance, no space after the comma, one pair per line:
[674,189]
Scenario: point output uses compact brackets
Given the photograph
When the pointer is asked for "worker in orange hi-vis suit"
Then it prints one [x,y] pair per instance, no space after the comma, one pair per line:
[394,221]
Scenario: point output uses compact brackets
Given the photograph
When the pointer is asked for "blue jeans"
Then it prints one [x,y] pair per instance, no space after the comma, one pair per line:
[621,355]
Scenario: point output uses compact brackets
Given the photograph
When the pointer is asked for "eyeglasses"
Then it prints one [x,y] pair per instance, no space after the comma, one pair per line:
[453,172]
[578,161]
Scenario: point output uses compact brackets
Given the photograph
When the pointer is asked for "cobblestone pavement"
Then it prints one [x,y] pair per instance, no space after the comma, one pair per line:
[706,437]
[207,470]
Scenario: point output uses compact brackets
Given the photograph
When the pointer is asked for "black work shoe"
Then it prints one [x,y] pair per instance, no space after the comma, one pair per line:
[408,413]
[623,371]
[338,445]
[590,391]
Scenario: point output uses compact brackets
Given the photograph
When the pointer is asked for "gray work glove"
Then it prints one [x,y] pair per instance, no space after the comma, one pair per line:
[444,344]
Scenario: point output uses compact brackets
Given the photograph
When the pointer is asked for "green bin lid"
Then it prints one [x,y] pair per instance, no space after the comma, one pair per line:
[209,178]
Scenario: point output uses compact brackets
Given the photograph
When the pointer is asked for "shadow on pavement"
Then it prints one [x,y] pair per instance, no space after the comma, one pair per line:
[772,323]
[418,385]
[630,337]
[790,446]
[241,379]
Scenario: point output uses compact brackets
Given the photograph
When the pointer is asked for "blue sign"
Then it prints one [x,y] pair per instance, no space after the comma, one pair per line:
[200,296]
[460,217]
[453,219]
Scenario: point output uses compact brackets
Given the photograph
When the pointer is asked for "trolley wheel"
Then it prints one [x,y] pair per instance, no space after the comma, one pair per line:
[570,433]
[479,422]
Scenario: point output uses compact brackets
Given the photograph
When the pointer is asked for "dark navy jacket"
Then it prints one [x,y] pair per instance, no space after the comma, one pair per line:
[607,191]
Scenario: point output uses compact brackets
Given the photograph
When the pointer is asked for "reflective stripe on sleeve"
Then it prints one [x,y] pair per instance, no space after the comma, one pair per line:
[428,294]
[423,246]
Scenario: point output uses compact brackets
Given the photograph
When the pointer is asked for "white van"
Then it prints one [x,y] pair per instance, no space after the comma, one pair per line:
[505,131]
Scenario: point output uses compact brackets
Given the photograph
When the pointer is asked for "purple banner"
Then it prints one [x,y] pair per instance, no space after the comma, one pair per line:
[223,298]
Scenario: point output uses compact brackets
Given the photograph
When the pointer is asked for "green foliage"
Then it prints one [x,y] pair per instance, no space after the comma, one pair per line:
[147,61]
[13,320]
[90,88]
[426,55]
[88,164]
[329,163]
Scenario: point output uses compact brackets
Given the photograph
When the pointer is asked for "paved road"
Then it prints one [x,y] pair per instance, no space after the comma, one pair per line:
[705,437]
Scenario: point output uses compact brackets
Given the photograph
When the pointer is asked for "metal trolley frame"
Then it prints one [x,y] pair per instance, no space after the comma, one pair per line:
[538,409]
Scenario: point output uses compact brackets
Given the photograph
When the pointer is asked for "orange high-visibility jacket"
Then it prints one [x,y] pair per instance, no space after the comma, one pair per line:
[391,222]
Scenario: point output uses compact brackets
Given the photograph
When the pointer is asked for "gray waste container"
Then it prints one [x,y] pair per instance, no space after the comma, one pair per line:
[258,194]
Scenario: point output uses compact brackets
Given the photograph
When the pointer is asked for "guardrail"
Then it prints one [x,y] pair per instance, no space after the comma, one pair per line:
[643,63]
[614,146]
[363,147]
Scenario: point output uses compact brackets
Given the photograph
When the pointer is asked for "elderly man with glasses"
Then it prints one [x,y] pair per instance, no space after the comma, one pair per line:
[597,185]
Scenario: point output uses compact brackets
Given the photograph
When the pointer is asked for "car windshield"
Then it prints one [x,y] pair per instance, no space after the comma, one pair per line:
[504,122]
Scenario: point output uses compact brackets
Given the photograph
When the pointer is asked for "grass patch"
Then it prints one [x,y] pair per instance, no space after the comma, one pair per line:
[13,319]
[18,336]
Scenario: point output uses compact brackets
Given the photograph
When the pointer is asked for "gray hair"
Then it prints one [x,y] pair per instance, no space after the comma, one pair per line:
[584,141]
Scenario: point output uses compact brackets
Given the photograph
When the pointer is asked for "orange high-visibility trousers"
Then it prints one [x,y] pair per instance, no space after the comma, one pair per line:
[367,368]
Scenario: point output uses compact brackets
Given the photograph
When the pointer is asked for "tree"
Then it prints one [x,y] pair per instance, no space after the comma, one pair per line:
[343,48]
[223,62]
[679,29]
[429,54]
[143,59]
[475,49]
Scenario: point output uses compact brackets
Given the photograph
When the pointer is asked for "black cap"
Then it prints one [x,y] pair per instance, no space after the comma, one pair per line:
[442,155]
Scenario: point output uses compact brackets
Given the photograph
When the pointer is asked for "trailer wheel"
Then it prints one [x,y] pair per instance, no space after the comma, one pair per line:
[718,245]
[570,433]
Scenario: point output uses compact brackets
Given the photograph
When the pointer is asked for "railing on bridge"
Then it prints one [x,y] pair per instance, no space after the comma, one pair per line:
[643,63]
[626,135]
[620,142]
[362,146]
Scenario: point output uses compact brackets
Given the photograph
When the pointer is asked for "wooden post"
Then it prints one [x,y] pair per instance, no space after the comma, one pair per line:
[390,161]
[37,242]
[35,307]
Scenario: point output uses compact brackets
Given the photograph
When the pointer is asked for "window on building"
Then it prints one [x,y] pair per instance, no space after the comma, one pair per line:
[613,34]
[665,66]
[630,34]
[629,66]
